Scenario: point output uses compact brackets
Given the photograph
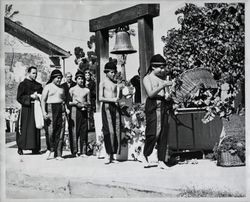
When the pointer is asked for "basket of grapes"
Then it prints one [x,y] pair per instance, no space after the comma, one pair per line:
[231,151]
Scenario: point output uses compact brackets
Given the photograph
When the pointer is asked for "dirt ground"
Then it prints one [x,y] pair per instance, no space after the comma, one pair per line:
[34,177]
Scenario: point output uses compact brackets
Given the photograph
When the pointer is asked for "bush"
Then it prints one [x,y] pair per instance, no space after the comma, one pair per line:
[210,37]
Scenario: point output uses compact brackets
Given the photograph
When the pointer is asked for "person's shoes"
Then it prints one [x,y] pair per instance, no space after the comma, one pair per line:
[20,151]
[83,155]
[50,155]
[47,152]
[113,159]
[59,158]
[145,162]
[162,165]
[75,155]
[108,159]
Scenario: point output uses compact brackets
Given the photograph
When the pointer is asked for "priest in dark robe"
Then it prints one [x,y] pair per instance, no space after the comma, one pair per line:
[27,135]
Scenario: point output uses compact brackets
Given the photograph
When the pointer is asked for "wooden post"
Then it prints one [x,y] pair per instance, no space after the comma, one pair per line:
[123,70]
[64,66]
[146,48]
[102,52]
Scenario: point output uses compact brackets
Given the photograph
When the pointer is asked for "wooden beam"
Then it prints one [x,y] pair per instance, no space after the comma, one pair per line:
[123,17]
[146,48]
[33,39]
[102,52]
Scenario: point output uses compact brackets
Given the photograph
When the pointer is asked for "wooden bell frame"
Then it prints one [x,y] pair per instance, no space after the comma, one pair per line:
[141,14]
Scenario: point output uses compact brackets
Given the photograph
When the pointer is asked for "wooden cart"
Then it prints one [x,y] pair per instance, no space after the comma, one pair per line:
[188,132]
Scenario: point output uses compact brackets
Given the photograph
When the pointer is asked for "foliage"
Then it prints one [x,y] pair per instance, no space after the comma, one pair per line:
[210,100]
[80,59]
[209,37]
[97,146]
[9,13]
[26,60]
[8,40]
[194,192]
[91,41]
[83,62]
[133,117]
[134,128]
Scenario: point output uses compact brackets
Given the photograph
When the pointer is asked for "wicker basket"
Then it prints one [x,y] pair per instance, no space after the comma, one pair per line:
[192,80]
[226,159]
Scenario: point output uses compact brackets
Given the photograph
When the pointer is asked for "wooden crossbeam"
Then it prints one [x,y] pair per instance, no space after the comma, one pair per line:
[124,17]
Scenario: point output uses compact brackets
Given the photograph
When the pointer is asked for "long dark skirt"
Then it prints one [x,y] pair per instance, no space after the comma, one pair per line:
[55,128]
[157,126]
[91,111]
[27,135]
[111,128]
[78,127]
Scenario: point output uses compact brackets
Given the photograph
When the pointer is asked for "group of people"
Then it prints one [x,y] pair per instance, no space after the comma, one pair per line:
[68,103]
[157,109]
[11,115]
[65,105]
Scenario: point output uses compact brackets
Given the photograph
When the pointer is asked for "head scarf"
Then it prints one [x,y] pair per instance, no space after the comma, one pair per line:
[55,73]
[156,61]
[79,74]
[110,66]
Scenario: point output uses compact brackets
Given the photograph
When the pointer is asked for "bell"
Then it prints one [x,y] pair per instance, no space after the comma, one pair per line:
[123,44]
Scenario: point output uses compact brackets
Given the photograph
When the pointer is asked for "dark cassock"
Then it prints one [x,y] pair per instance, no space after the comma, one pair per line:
[27,135]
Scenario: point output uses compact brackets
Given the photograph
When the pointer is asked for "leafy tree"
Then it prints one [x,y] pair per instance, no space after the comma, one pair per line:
[9,41]
[9,13]
[92,54]
[27,60]
[91,41]
[88,61]
[211,36]
[80,59]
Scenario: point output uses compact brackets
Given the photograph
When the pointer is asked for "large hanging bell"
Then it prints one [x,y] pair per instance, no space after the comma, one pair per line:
[123,43]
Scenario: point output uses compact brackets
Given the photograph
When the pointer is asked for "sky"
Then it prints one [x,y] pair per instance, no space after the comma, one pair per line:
[66,24]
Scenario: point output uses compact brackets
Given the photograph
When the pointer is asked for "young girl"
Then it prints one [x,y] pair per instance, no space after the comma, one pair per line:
[156,110]
[54,112]
[80,96]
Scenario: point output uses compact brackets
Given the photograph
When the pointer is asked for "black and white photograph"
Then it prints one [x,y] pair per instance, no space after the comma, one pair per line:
[124,100]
